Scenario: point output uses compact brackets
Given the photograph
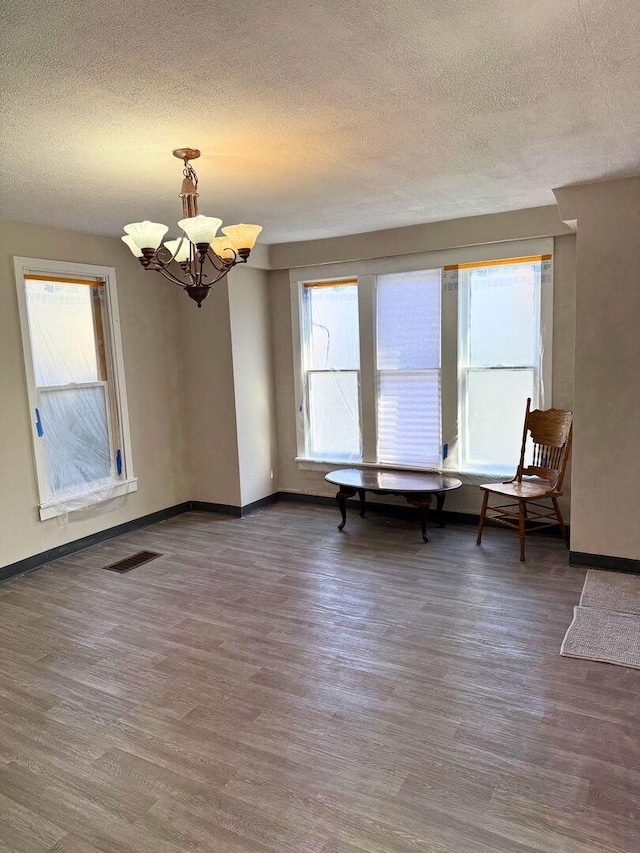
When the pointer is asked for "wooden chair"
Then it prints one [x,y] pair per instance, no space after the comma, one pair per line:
[550,433]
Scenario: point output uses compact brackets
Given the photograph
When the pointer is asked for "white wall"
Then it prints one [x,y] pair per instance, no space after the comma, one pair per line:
[148,309]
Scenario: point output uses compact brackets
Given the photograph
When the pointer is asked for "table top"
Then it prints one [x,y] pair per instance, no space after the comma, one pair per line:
[375,479]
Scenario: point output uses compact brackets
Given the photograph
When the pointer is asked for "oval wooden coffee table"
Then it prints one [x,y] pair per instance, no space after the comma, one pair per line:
[417,489]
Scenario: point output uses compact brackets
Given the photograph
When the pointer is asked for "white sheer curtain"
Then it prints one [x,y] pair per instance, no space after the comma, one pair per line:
[331,355]
[73,410]
[500,359]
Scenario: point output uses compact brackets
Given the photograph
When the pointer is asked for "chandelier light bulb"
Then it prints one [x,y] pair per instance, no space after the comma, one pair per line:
[146,235]
[242,236]
[130,242]
[181,254]
[200,229]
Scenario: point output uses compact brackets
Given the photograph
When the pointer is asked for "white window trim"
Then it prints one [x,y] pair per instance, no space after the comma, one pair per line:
[365,273]
[128,482]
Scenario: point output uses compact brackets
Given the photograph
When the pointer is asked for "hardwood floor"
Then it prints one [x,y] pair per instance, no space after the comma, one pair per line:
[270,684]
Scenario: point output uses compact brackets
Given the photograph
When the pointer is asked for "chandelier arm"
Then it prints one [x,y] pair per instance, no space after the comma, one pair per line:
[191,276]
[219,263]
[190,265]
[171,277]
[221,274]
[160,251]
[187,270]
[162,263]
[200,275]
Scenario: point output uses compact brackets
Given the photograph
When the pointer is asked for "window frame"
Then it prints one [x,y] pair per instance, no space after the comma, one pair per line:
[305,373]
[365,272]
[541,369]
[116,401]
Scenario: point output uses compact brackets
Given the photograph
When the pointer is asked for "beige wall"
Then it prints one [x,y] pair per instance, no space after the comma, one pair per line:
[304,478]
[199,391]
[606,459]
[564,320]
[253,382]
[211,456]
[290,477]
[449,234]
[210,391]
[148,309]
[225,348]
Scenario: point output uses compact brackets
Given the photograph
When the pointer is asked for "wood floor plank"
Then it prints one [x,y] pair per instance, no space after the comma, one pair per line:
[270,685]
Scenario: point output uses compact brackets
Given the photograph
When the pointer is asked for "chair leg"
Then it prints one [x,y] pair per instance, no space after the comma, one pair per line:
[563,527]
[522,527]
[483,513]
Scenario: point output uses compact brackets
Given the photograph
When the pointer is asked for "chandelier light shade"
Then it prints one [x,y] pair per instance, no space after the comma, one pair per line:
[223,247]
[180,249]
[242,236]
[146,235]
[198,258]
[131,243]
[200,229]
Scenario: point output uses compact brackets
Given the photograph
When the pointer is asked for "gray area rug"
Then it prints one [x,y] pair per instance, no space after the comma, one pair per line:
[606,624]
[611,591]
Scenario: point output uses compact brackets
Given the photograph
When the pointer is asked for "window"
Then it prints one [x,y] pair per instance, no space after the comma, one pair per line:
[75,384]
[428,369]
[331,363]
[499,358]
[408,356]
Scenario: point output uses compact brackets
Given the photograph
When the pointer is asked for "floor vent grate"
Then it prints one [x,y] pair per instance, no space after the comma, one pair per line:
[123,566]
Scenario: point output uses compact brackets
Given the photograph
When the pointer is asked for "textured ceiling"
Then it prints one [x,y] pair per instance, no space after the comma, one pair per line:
[316,117]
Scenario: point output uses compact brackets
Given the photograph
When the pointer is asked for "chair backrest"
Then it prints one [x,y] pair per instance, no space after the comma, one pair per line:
[550,432]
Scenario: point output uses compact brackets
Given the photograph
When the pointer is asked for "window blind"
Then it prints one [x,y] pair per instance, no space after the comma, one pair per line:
[408,361]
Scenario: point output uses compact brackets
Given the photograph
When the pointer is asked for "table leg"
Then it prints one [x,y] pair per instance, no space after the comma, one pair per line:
[343,493]
[422,501]
[363,504]
[440,507]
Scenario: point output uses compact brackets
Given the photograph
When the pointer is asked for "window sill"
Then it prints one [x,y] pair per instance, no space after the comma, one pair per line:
[306,464]
[53,509]
[488,474]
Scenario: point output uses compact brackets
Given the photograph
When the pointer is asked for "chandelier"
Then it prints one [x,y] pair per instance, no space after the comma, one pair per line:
[197,259]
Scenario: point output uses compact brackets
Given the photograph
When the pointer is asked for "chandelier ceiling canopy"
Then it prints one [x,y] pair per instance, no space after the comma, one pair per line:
[197,259]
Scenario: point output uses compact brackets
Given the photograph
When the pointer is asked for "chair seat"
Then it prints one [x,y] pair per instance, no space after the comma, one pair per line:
[529,490]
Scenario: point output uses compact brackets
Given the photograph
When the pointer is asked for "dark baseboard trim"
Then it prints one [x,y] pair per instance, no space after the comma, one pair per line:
[395,510]
[247,509]
[29,564]
[36,561]
[223,509]
[398,510]
[235,511]
[302,498]
[602,561]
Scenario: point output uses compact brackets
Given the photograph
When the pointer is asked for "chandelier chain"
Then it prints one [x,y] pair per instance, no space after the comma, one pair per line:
[190,172]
